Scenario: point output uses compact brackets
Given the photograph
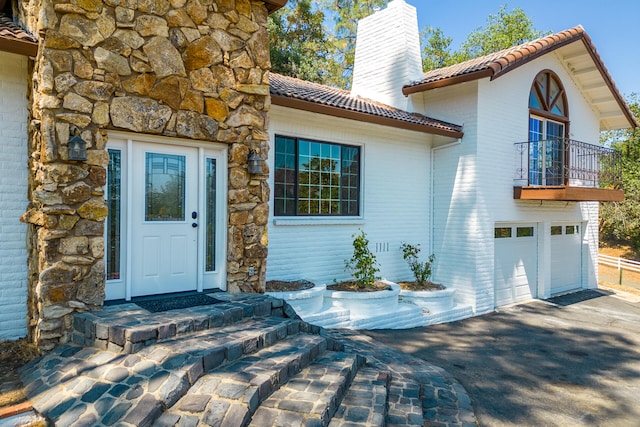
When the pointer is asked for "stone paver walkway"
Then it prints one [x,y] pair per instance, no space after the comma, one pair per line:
[247,362]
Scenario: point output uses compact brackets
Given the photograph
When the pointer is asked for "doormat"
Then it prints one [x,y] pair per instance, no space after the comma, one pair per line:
[576,297]
[176,302]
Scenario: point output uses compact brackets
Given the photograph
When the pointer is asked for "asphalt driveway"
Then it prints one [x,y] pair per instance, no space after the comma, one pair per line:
[575,362]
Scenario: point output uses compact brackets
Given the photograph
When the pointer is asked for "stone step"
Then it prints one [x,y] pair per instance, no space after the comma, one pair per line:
[75,386]
[365,404]
[313,396]
[405,403]
[230,395]
[127,328]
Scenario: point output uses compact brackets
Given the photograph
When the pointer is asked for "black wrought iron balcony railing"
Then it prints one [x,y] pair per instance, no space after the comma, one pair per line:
[566,162]
[567,170]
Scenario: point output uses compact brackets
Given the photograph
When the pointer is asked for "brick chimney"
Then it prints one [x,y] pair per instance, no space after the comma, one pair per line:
[387,54]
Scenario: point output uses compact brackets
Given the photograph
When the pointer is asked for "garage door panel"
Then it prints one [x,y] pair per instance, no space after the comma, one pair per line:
[515,263]
[566,257]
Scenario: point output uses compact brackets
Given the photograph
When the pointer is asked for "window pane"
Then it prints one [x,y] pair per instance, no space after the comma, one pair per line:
[502,232]
[285,176]
[558,107]
[321,179]
[165,187]
[536,135]
[210,208]
[555,130]
[114,205]
[534,100]
[570,229]
[556,230]
[541,81]
[351,180]
[524,231]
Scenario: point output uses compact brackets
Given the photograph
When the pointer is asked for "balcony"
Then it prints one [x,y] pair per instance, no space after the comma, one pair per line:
[566,170]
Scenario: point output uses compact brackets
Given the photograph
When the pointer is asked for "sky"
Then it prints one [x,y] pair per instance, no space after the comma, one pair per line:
[611,24]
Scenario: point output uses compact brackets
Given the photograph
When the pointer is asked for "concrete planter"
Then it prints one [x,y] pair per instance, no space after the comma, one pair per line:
[434,301]
[365,304]
[304,302]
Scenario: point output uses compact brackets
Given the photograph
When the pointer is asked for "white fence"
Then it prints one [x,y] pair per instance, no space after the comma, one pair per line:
[620,264]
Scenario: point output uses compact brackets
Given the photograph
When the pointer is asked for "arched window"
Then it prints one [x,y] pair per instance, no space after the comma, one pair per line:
[548,128]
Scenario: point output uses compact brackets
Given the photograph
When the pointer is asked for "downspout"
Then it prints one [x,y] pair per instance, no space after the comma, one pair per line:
[431,187]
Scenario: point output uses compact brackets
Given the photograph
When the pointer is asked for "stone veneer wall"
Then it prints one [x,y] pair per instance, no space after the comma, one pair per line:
[187,68]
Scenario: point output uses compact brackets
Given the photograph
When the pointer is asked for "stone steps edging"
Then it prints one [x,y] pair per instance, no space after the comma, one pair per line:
[365,404]
[127,328]
[313,396]
[272,370]
[136,388]
[231,395]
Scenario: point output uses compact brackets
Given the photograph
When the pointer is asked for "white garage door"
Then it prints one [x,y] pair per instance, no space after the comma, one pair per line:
[566,257]
[515,262]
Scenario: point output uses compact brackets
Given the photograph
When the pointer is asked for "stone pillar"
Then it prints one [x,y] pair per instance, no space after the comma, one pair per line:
[193,69]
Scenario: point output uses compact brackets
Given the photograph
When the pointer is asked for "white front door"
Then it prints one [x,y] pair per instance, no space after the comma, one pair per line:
[165,219]
[166,228]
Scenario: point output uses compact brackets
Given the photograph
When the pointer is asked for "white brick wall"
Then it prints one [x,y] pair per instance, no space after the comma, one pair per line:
[396,173]
[473,188]
[13,192]
[387,54]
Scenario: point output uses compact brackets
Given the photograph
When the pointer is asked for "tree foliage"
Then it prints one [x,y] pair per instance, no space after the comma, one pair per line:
[346,14]
[316,40]
[620,221]
[502,31]
[300,45]
[436,52]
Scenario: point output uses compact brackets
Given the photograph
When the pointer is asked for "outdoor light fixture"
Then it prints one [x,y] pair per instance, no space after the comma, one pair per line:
[254,163]
[77,145]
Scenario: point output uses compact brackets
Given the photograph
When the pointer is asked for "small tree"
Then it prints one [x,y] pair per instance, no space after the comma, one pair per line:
[421,271]
[363,264]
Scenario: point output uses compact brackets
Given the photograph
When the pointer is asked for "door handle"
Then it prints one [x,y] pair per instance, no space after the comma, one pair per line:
[194,214]
[194,225]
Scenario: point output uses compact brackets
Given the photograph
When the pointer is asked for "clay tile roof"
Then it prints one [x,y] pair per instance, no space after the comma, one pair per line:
[496,64]
[301,94]
[15,39]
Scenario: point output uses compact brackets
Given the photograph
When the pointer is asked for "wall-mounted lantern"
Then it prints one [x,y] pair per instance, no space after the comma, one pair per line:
[77,145]
[254,163]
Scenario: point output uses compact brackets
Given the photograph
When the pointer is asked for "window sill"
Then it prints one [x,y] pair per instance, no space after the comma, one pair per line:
[318,221]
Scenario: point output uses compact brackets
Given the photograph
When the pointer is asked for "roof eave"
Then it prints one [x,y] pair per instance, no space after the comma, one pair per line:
[495,71]
[586,40]
[449,81]
[273,5]
[314,107]
[19,47]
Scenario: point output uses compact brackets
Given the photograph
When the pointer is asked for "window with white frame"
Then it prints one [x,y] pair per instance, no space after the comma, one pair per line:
[548,122]
[315,178]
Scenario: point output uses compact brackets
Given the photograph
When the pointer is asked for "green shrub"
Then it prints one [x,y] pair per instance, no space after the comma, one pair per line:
[421,271]
[363,264]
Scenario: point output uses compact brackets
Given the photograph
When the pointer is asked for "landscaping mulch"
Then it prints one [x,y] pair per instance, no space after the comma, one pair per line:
[425,286]
[13,355]
[352,286]
[288,285]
